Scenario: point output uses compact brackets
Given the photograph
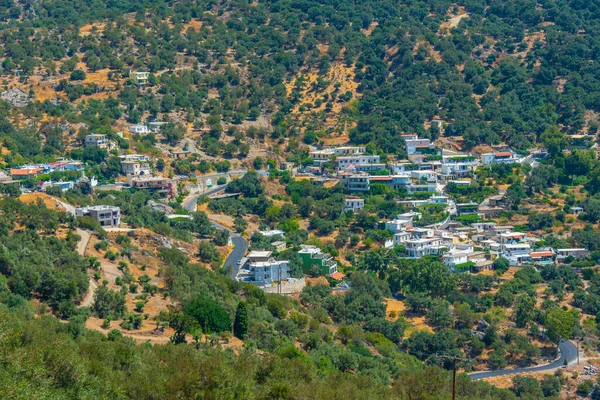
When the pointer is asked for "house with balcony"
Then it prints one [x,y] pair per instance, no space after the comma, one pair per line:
[313,260]
[320,157]
[140,78]
[413,144]
[416,248]
[343,162]
[261,269]
[398,225]
[401,237]
[458,166]
[355,182]
[353,204]
[96,140]
[155,184]
[106,215]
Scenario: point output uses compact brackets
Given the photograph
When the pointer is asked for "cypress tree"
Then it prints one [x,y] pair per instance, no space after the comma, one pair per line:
[240,324]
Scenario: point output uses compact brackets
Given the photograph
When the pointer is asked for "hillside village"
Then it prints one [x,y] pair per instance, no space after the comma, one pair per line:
[300,200]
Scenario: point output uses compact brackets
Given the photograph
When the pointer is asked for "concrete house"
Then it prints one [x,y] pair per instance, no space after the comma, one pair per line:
[106,215]
[96,140]
[139,129]
[353,204]
[135,168]
[262,269]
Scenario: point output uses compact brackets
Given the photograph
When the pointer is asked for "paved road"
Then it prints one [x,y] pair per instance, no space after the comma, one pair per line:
[239,243]
[568,351]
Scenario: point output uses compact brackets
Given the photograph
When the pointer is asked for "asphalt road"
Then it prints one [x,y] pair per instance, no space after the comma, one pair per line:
[568,351]
[239,243]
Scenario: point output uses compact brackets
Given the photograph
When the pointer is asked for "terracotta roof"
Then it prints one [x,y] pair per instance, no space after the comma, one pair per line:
[338,276]
[541,254]
[504,154]
[381,178]
[25,171]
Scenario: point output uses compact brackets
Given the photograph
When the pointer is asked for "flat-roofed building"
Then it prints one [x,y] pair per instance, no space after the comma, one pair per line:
[562,254]
[139,129]
[354,204]
[157,184]
[96,140]
[106,215]
[135,168]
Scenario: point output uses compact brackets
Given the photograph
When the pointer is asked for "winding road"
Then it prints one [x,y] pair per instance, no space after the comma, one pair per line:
[568,351]
[239,243]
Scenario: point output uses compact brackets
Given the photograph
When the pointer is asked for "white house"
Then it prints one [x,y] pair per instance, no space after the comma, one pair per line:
[505,157]
[346,161]
[401,237]
[397,225]
[416,248]
[413,143]
[353,204]
[262,270]
[139,129]
[139,78]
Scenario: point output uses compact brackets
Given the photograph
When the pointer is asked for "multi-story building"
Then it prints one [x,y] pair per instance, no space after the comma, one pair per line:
[355,182]
[157,184]
[135,168]
[430,187]
[354,204]
[324,155]
[96,140]
[398,225]
[262,269]
[106,215]
[416,248]
[424,175]
[139,78]
[347,161]
[321,156]
[414,144]
[314,259]
[366,167]
[458,166]
[401,237]
[505,157]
